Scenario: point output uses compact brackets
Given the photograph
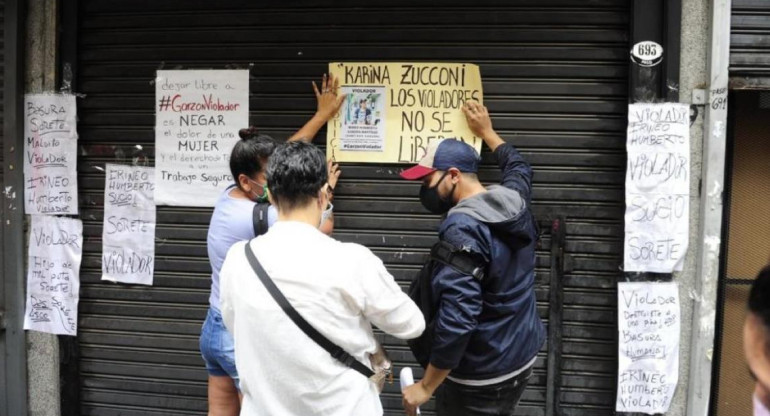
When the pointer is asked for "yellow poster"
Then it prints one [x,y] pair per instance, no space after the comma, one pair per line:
[392,111]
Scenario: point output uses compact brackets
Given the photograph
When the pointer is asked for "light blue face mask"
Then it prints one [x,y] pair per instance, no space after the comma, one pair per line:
[326,214]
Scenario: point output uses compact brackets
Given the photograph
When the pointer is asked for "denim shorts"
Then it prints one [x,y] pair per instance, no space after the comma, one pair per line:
[217,347]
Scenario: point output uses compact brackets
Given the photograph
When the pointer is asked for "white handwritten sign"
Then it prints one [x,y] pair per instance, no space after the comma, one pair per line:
[53,278]
[657,187]
[50,152]
[128,236]
[197,118]
[648,346]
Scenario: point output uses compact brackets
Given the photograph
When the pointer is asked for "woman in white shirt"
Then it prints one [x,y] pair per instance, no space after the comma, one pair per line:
[340,289]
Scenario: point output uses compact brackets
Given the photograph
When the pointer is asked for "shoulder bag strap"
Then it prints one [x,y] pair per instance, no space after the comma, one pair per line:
[335,350]
[459,260]
[259,218]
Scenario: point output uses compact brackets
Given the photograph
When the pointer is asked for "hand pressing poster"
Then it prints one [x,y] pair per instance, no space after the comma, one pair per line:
[197,117]
[128,236]
[657,187]
[50,153]
[53,278]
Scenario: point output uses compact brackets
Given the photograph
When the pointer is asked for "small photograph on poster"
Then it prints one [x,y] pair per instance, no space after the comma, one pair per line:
[363,124]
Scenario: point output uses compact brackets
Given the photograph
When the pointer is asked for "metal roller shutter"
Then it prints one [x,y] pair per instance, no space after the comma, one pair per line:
[750,41]
[2,84]
[2,132]
[555,78]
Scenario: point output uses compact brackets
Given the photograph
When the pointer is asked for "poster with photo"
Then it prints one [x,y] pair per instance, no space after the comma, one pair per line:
[363,127]
[394,110]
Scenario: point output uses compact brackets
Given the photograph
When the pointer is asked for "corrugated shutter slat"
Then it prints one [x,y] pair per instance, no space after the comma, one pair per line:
[750,41]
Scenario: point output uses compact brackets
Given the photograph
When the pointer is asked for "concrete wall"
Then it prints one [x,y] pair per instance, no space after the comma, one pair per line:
[692,75]
[40,76]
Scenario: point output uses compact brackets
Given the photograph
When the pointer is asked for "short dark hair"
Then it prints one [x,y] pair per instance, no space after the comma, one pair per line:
[250,153]
[295,174]
[759,297]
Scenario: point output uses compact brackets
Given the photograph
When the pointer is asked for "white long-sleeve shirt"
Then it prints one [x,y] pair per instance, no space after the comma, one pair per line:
[341,289]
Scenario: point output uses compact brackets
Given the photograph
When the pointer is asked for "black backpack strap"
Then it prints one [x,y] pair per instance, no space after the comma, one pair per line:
[335,350]
[259,218]
[460,260]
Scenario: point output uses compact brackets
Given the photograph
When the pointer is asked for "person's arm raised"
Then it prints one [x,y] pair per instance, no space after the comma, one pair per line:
[329,103]
[517,173]
[481,124]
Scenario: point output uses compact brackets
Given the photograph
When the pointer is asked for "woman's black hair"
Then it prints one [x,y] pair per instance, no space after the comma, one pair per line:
[250,154]
[296,173]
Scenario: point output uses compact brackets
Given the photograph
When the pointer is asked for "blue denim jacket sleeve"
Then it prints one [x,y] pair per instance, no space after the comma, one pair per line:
[459,295]
[517,173]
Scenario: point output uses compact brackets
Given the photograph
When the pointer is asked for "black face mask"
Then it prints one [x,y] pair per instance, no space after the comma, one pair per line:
[432,201]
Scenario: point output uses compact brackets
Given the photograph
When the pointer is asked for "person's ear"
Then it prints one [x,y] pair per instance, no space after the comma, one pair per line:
[270,197]
[454,175]
[244,183]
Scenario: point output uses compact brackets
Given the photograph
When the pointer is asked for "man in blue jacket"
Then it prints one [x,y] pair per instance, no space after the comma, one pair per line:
[486,330]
